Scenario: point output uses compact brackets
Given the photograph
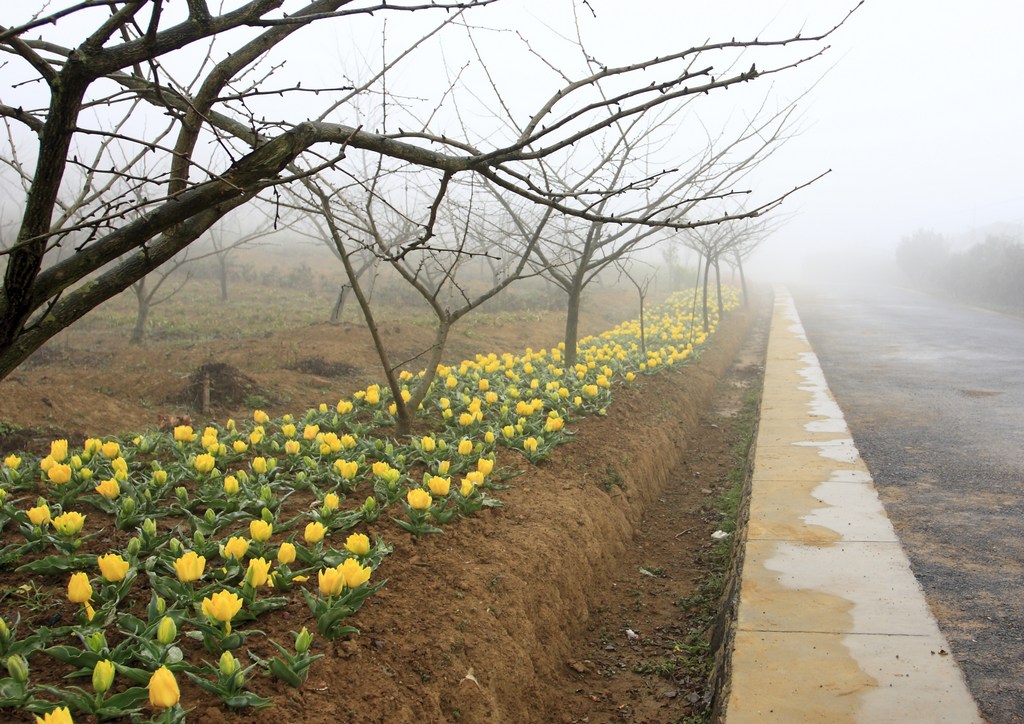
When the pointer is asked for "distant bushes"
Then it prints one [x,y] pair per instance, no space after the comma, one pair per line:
[990,273]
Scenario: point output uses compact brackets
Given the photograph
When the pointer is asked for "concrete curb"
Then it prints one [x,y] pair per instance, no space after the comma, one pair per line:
[831,623]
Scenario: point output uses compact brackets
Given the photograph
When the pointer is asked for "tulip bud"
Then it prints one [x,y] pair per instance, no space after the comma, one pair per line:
[370,504]
[5,633]
[300,477]
[199,540]
[96,642]
[134,546]
[303,641]
[149,527]
[228,664]
[266,515]
[166,631]
[128,506]
[161,605]
[176,547]
[103,676]
[210,516]
[17,668]
[75,462]
[266,494]
[182,496]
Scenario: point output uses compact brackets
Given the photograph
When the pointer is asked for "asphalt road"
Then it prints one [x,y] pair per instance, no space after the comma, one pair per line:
[933,393]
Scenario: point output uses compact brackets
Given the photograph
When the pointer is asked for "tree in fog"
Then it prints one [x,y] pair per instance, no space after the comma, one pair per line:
[437,271]
[195,111]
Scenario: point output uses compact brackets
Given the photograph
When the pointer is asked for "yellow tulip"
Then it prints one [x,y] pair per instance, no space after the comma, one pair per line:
[60,715]
[59,474]
[439,486]
[166,631]
[354,574]
[184,433]
[309,432]
[465,446]
[235,547]
[239,446]
[108,489]
[205,463]
[286,554]
[348,442]
[190,567]
[346,469]
[59,450]
[314,532]
[418,499]
[79,588]
[260,417]
[530,444]
[12,461]
[222,606]
[357,544]
[489,437]
[442,467]
[103,676]
[344,407]
[372,396]
[257,435]
[467,488]
[288,430]
[260,530]
[70,523]
[331,501]
[485,465]
[39,515]
[113,567]
[258,572]
[110,450]
[230,485]
[508,431]
[292,447]
[163,689]
[159,477]
[428,444]
[259,465]
[331,441]
[331,581]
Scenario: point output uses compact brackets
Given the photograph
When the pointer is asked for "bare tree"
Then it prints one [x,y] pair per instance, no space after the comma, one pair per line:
[434,271]
[211,73]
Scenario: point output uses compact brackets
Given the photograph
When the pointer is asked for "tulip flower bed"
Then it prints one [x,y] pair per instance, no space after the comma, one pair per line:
[172,549]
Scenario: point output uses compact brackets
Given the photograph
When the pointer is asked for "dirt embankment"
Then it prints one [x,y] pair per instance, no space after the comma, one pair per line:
[480,623]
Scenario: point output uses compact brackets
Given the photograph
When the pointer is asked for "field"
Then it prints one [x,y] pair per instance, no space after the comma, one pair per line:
[562,602]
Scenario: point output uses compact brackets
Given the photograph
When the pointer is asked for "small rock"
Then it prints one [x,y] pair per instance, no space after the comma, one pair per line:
[579,667]
[670,694]
[609,647]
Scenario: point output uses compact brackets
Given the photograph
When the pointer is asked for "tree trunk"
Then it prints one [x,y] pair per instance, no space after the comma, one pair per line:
[693,305]
[718,284]
[707,271]
[430,372]
[572,322]
[141,314]
[223,261]
[743,278]
[339,304]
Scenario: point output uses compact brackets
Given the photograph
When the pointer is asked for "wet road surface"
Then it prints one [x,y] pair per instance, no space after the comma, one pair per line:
[933,393]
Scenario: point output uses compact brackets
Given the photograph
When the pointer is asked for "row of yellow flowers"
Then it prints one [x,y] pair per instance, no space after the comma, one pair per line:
[212,538]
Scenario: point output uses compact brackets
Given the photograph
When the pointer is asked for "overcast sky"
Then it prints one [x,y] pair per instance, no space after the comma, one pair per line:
[918,114]
[917,107]
[920,119]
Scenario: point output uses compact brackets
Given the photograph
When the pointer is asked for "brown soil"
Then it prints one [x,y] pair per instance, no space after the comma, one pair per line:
[520,613]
